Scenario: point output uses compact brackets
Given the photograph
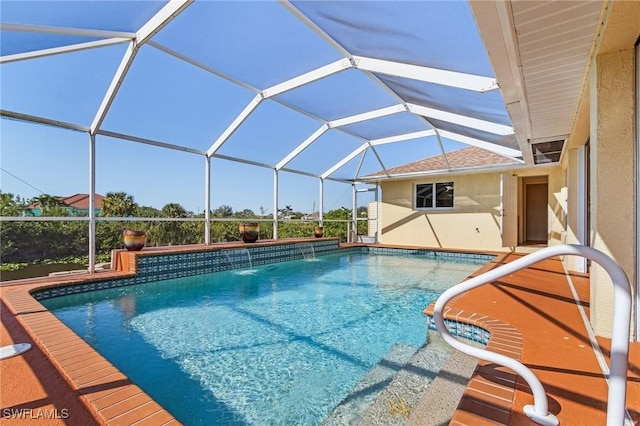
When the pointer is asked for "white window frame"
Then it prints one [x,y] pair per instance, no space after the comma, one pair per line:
[433,195]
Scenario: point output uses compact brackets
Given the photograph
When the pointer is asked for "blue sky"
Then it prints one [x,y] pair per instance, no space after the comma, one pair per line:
[168,100]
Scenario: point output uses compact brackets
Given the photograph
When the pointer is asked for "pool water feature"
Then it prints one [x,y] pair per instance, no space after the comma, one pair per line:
[282,346]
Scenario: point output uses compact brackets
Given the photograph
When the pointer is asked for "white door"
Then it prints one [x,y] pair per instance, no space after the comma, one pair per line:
[509,209]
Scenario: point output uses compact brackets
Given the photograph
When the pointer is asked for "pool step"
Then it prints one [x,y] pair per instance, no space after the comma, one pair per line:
[443,395]
[352,408]
[395,403]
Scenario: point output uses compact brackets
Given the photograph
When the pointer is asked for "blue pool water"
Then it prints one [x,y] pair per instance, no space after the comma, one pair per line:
[283,344]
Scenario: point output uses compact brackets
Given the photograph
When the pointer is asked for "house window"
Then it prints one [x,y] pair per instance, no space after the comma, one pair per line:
[438,195]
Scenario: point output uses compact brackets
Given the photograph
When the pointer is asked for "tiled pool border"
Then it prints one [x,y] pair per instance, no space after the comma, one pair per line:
[158,266]
[462,329]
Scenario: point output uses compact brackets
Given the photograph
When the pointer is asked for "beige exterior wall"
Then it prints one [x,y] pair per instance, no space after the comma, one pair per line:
[612,171]
[606,118]
[557,207]
[473,224]
[576,226]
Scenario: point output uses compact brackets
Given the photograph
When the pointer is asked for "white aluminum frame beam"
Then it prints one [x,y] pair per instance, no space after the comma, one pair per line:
[117,80]
[81,32]
[161,19]
[316,29]
[275,204]
[92,204]
[369,115]
[321,203]
[235,124]
[459,80]
[309,77]
[60,50]
[463,120]
[41,120]
[404,137]
[148,30]
[311,139]
[207,200]
[507,152]
[150,142]
[345,160]
[200,65]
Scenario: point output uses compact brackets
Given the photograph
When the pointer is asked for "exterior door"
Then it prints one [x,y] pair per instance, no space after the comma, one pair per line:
[509,210]
[536,213]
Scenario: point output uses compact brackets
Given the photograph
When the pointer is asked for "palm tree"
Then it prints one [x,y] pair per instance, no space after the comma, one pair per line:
[172,232]
[173,210]
[118,204]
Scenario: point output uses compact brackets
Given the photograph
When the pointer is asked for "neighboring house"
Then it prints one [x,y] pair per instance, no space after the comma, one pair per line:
[312,217]
[80,202]
[77,204]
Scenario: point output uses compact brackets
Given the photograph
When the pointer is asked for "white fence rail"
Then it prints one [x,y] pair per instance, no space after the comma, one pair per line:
[539,411]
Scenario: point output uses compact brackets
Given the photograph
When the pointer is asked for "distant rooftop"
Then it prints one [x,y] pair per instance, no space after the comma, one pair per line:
[81,201]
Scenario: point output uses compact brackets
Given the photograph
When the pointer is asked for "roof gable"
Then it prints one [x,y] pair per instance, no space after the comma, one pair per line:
[459,159]
[81,201]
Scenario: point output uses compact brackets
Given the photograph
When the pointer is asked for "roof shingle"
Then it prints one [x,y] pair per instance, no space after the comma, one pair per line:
[459,159]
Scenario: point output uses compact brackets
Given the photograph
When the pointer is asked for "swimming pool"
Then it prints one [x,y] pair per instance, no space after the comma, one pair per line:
[284,344]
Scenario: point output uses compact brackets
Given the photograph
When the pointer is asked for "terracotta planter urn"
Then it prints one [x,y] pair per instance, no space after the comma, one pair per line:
[134,240]
[249,231]
[318,231]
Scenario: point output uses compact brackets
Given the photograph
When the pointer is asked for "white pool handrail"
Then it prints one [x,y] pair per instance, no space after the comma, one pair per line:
[539,412]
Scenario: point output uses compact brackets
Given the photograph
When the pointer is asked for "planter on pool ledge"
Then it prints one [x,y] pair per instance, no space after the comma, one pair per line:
[318,231]
[134,240]
[249,231]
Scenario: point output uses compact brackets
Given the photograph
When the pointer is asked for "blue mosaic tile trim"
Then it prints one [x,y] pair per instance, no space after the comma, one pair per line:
[83,288]
[179,265]
[461,329]
[465,257]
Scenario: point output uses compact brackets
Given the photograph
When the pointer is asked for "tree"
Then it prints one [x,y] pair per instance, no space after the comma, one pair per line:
[223,211]
[50,205]
[146,211]
[286,211]
[169,233]
[246,213]
[10,205]
[173,210]
[118,204]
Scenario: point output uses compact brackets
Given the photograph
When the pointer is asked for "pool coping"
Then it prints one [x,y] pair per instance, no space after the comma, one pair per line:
[109,394]
[490,393]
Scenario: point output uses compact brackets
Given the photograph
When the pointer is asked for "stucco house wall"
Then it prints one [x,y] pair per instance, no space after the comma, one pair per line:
[607,119]
[474,223]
